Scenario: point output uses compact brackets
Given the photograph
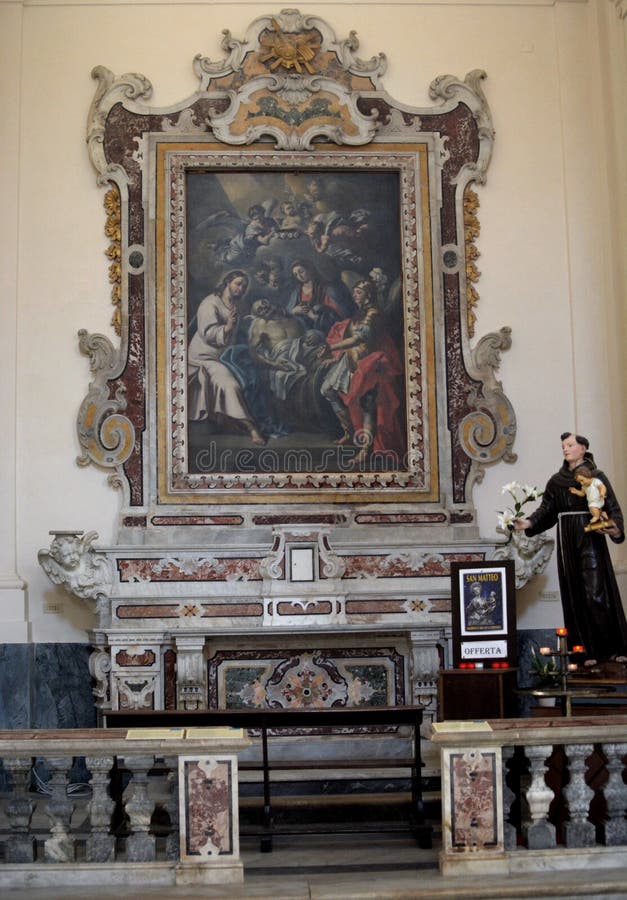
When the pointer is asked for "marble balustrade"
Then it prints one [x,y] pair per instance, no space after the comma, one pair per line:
[527,794]
[160,807]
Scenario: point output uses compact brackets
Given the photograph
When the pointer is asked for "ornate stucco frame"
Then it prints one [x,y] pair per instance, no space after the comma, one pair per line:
[292,95]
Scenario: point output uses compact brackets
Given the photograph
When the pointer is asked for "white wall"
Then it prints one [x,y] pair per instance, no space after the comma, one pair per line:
[551,215]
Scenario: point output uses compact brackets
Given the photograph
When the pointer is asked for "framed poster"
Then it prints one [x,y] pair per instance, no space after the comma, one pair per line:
[483,613]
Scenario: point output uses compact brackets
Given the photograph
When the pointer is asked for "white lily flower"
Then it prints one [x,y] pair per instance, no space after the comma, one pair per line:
[510,488]
[505,519]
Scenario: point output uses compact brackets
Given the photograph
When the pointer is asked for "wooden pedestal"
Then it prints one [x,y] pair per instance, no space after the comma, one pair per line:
[477,694]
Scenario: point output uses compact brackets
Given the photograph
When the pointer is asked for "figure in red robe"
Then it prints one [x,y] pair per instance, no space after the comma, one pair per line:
[362,383]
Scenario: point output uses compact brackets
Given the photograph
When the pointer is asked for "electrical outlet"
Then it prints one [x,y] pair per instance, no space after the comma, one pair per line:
[548,596]
[53,607]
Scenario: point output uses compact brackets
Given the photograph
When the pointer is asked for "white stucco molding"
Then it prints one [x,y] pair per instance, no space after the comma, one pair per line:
[265,4]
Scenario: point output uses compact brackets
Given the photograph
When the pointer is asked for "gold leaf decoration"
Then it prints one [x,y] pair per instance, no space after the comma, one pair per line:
[291,51]
[472,229]
[113,230]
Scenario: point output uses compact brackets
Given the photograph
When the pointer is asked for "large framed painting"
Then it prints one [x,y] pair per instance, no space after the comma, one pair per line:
[294,311]
[293,266]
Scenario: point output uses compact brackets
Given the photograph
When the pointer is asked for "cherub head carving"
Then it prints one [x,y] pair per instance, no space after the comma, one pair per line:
[66,550]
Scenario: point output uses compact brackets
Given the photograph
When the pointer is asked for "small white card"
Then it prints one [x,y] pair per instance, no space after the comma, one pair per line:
[484,650]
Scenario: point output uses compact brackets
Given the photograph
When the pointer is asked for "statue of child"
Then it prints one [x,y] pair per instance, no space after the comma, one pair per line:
[594,491]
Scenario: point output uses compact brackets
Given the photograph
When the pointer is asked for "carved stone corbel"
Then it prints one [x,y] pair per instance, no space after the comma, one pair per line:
[72,562]
[530,554]
[100,669]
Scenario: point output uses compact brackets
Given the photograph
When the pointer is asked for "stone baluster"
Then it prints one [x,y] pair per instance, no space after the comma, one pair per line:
[140,844]
[20,846]
[615,791]
[100,843]
[172,848]
[539,832]
[578,831]
[60,846]
[509,832]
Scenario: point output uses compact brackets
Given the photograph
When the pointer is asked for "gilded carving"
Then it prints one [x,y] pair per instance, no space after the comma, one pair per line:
[113,230]
[292,51]
[471,232]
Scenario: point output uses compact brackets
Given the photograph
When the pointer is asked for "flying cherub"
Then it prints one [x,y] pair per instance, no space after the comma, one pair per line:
[236,240]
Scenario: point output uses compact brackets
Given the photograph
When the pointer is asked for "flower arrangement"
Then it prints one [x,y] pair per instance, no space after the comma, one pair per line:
[521,495]
[544,670]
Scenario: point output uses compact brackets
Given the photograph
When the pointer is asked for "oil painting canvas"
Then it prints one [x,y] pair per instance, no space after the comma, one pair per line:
[294,321]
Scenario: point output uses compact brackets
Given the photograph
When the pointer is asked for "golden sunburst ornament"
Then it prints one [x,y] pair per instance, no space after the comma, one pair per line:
[292,51]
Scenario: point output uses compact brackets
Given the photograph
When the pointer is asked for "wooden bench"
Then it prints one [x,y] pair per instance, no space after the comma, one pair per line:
[270,721]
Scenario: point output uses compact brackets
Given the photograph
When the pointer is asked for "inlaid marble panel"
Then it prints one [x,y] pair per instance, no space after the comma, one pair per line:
[306,678]
[474,808]
[208,807]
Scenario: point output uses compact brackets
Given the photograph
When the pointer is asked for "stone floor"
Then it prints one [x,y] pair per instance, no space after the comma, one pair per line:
[349,867]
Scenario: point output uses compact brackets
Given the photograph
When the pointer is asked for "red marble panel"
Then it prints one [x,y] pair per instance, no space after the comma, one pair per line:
[401,565]
[124,658]
[232,610]
[153,611]
[197,520]
[399,518]
[474,808]
[375,606]
[188,569]
[207,785]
